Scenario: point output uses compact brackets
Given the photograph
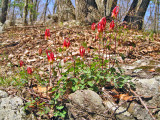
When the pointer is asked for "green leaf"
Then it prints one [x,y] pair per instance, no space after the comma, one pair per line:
[106,61]
[90,83]
[41,103]
[71,69]
[60,49]
[84,44]
[62,79]
[74,88]
[56,96]
[63,114]
[59,107]
[47,110]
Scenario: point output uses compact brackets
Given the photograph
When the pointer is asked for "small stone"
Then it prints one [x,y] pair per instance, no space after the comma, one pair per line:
[3,94]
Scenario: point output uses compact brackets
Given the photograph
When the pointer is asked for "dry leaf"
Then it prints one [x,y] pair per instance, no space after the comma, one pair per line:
[152,70]
[125,97]
[40,51]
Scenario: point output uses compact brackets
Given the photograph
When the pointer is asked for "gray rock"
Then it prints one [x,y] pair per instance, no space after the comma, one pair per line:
[146,88]
[1,27]
[85,104]
[3,94]
[71,23]
[11,108]
[149,87]
[138,112]
[121,113]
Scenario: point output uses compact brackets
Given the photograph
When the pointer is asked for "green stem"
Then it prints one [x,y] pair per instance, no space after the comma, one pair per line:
[50,79]
[74,67]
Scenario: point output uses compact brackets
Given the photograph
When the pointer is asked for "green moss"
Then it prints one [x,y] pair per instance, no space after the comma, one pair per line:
[152,62]
[145,67]
[158,69]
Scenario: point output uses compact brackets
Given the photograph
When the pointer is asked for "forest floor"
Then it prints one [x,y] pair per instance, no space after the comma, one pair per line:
[26,43]
[23,43]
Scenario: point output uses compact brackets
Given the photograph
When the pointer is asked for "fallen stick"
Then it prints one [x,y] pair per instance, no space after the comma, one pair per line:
[143,103]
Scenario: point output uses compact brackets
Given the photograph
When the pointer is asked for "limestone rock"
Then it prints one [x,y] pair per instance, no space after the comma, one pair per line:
[11,108]
[3,94]
[121,113]
[85,104]
[149,87]
[1,27]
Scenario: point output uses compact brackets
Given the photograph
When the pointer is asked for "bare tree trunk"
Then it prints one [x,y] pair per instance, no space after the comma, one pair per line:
[137,12]
[8,9]
[101,6]
[81,10]
[158,18]
[45,11]
[55,7]
[105,7]
[141,13]
[87,11]
[25,13]
[65,10]
[155,16]
[131,11]
[108,7]
[35,7]
[12,23]
[4,6]
[31,13]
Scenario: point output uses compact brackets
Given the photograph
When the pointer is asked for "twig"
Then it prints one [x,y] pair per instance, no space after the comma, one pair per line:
[143,103]
[114,113]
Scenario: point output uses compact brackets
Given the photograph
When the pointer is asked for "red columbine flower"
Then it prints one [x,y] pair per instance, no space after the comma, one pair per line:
[82,51]
[65,43]
[100,27]
[47,34]
[115,12]
[21,63]
[103,22]
[125,26]
[29,70]
[50,56]
[93,26]
[111,25]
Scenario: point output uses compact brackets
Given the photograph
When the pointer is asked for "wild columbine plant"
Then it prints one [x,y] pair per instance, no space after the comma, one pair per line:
[50,56]
[82,51]
[29,70]
[114,15]
[115,12]
[21,63]
[47,34]
[66,43]
[100,27]
[93,26]
[103,22]
[51,59]
[111,27]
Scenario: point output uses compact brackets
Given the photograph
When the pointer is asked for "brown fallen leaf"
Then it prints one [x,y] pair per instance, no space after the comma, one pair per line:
[40,51]
[125,97]
[152,70]
[41,89]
